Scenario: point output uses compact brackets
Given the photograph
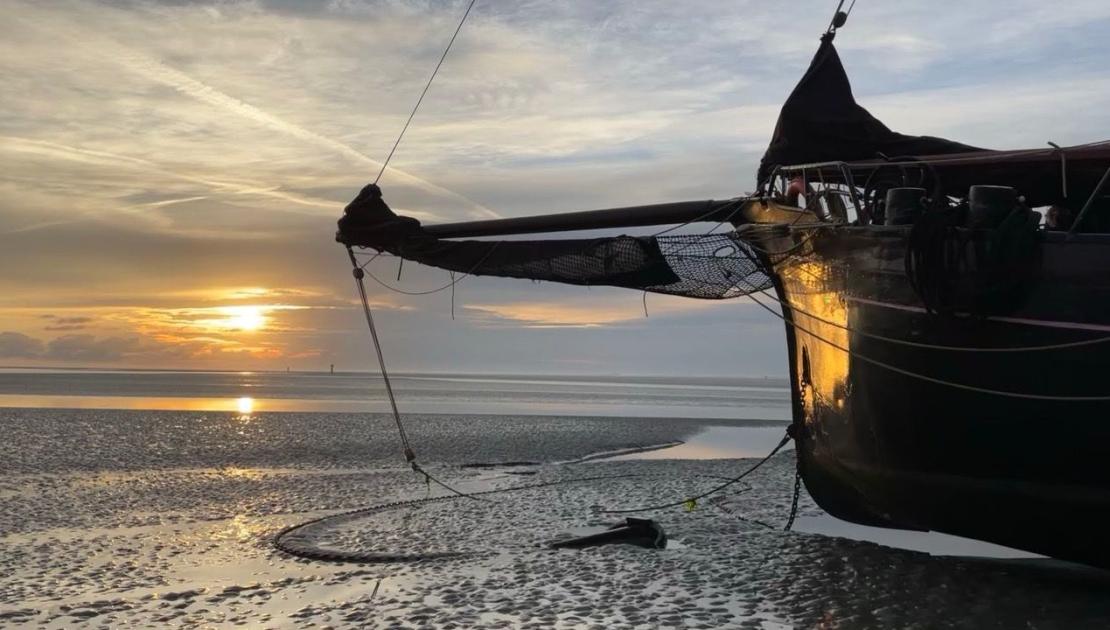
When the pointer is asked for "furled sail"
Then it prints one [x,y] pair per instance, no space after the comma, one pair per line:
[821,122]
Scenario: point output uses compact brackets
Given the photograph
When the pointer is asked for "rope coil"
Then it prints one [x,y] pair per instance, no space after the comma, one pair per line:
[288,540]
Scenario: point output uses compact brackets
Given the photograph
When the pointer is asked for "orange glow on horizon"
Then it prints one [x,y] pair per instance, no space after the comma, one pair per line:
[213,319]
[538,314]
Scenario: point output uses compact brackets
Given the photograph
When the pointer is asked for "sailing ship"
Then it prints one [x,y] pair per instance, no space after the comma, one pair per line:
[947,310]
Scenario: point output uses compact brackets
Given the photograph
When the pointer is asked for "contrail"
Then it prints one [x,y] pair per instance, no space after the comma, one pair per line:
[159,72]
[103,158]
[90,156]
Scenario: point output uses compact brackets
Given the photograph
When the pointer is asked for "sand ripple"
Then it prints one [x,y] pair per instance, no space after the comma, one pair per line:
[188,545]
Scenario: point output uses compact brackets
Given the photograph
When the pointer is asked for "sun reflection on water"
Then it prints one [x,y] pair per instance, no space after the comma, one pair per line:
[245,405]
[238,528]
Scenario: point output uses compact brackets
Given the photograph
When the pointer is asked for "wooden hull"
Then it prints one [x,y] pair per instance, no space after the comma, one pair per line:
[885,448]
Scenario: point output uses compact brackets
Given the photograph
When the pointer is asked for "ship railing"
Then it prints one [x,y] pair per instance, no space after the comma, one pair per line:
[834,197]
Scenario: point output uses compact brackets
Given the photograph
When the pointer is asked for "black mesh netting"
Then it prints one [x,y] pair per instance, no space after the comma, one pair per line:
[708,266]
[712,266]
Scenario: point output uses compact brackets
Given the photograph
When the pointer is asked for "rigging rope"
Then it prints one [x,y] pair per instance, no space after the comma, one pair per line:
[449,285]
[359,272]
[930,346]
[923,377]
[426,87]
[410,455]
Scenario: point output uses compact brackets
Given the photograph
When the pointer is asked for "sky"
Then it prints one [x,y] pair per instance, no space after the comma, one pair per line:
[171,172]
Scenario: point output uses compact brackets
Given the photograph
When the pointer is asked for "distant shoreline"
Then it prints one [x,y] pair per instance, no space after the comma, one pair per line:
[248,393]
[771,381]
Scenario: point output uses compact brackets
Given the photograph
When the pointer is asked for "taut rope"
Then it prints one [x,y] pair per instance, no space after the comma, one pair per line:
[426,87]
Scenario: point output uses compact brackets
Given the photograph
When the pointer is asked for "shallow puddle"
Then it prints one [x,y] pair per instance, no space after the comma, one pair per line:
[933,543]
[717,442]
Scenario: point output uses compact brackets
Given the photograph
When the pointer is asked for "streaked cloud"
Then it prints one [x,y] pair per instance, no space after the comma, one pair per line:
[164,162]
[582,312]
[229,324]
[57,323]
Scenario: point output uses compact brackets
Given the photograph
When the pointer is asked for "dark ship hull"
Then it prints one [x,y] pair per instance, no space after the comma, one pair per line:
[881,447]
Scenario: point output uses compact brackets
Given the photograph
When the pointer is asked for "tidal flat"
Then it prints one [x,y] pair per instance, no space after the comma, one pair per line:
[155,519]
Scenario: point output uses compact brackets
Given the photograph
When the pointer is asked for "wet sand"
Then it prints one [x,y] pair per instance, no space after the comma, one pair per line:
[143,519]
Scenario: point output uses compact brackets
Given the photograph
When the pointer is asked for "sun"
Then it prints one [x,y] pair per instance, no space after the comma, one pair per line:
[243,317]
[245,405]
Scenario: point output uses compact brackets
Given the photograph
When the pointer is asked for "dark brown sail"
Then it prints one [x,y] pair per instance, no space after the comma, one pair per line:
[821,122]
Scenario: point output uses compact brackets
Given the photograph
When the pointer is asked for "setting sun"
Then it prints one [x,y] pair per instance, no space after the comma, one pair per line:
[243,317]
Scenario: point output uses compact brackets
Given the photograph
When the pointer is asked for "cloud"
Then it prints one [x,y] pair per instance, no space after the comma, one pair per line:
[78,319]
[14,345]
[79,348]
[83,348]
[58,323]
[110,51]
[553,315]
[1064,109]
[160,350]
[162,157]
[579,313]
[231,325]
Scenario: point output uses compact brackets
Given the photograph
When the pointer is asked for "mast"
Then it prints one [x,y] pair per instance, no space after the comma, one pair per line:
[632,216]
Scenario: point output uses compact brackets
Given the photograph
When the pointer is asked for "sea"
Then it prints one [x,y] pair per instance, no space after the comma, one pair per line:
[696,417]
[741,398]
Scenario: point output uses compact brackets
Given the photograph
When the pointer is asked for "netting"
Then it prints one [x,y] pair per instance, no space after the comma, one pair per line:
[707,266]
[713,266]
